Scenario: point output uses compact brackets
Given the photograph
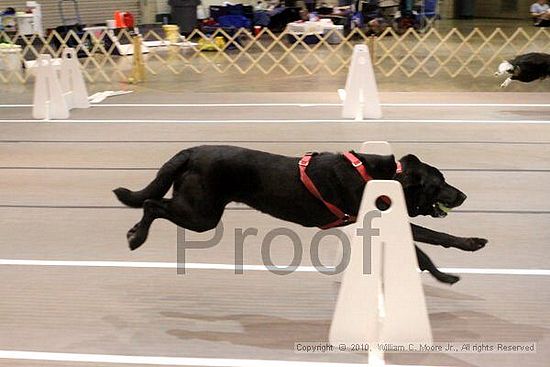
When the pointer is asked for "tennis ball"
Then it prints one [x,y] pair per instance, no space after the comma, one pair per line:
[444,208]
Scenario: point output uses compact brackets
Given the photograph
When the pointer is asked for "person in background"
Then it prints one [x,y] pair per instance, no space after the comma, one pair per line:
[540,11]
[260,6]
[377,25]
[310,5]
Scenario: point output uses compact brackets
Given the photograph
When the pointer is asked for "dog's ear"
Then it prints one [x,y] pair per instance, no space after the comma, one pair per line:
[383,166]
[386,166]
[410,159]
[411,174]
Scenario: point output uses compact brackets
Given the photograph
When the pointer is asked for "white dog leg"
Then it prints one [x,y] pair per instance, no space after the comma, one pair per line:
[506,83]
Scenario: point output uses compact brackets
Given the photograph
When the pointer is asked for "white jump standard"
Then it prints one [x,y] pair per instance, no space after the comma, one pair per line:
[360,98]
[55,94]
[384,302]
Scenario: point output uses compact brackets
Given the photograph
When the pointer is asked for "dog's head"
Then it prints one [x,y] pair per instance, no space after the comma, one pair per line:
[507,67]
[426,191]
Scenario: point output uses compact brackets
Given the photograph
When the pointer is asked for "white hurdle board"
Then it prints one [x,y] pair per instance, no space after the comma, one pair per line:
[387,305]
[360,98]
[376,147]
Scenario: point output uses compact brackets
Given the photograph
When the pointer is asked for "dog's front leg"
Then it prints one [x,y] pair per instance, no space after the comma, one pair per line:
[425,263]
[506,83]
[421,234]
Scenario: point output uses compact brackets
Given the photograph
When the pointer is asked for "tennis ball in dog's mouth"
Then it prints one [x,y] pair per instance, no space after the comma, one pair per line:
[444,208]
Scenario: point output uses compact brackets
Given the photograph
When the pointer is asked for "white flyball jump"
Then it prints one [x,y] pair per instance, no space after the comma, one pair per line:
[368,147]
[360,98]
[384,304]
[376,147]
[55,94]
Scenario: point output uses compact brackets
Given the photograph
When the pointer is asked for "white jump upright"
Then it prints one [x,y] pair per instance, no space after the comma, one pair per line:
[368,147]
[376,147]
[385,305]
[56,94]
[360,98]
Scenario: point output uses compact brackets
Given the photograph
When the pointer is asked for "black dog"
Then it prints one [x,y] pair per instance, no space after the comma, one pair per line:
[525,68]
[206,178]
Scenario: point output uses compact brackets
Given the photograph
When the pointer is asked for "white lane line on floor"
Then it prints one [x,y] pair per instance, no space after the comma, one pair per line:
[274,121]
[143,264]
[465,104]
[496,271]
[207,266]
[456,105]
[166,361]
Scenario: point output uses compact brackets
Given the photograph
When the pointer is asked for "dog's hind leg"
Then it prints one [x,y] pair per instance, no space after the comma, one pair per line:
[159,186]
[152,209]
[179,214]
[425,263]
[425,235]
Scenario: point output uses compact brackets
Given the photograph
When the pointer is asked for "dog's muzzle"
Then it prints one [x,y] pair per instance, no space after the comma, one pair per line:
[439,210]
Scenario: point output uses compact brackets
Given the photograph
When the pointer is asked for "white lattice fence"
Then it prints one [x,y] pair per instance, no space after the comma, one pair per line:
[453,54]
[107,56]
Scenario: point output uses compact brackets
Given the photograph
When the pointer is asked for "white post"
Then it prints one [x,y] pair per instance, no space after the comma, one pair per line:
[360,98]
[48,96]
[72,81]
[383,304]
[37,14]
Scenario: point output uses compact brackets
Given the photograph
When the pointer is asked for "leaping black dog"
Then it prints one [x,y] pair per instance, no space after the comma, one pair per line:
[525,68]
[206,178]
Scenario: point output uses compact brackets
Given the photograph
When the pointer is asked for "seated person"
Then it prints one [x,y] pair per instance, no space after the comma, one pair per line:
[260,6]
[274,4]
[324,9]
[540,11]
[261,15]
[310,5]
[377,25]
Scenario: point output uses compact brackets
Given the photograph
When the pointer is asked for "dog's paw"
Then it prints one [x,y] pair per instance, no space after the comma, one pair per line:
[135,237]
[472,244]
[447,278]
[506,83]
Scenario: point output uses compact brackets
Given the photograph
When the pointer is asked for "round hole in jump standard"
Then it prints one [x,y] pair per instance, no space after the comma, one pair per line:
[383,203]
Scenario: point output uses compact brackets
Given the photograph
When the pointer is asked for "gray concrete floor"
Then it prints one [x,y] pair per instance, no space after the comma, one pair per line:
[167,84]
[56,204]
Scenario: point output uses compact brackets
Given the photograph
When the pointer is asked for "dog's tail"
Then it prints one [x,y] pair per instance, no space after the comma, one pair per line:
[159,186]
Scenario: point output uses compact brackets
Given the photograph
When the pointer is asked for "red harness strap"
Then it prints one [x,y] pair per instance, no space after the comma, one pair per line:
[343,218]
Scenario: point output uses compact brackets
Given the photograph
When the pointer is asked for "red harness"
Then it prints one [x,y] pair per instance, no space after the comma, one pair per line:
[343,218]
